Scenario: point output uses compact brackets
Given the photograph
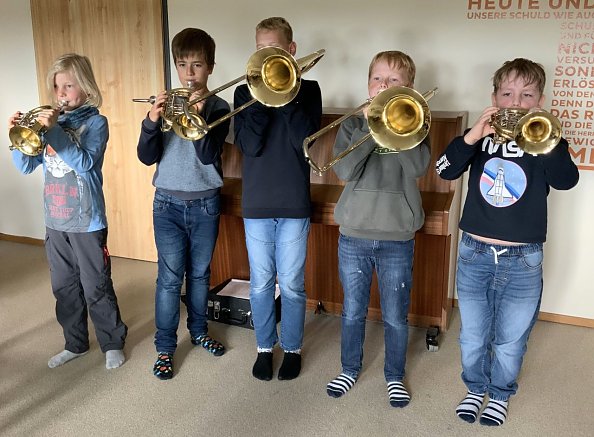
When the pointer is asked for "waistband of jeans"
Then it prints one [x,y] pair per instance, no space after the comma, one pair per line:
[522,249]
[168,197]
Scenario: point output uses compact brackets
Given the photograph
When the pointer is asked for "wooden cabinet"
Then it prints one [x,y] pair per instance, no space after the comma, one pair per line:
[435,244]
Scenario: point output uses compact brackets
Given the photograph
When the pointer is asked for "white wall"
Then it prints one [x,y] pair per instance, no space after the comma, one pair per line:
[453,52]
[21,210]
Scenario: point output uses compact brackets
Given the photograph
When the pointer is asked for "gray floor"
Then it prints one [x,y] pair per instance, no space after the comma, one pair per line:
[218,396]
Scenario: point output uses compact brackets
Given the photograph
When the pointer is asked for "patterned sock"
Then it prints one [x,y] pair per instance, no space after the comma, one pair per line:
[114,358]
[340,385]
[62,358]
[263,366]
[291,366]
[163,368]
[469,407]
[397,394]
[494,413]
[210,344]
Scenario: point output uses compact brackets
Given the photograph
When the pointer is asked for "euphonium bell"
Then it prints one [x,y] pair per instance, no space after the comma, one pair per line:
[399,119]
[26,135]
[535,132]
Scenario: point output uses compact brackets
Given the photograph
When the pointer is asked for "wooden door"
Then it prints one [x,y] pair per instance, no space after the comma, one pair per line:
[124,41]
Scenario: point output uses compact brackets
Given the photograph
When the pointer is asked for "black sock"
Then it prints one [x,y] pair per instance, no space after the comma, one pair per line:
[263,366]
[291,366]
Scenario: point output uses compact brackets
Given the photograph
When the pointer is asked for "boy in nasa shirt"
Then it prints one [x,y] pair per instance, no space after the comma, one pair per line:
[504,223]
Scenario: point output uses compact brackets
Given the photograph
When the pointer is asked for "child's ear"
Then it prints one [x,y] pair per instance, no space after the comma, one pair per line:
[541,101]
[493,101]
[293,48]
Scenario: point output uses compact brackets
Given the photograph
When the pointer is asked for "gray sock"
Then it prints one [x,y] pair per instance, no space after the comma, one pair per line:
[114,358]
[62,358]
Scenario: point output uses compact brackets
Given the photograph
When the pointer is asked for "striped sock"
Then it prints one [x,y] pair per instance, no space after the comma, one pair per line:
[494,413]
[340,385]
[469,407]
[398,395]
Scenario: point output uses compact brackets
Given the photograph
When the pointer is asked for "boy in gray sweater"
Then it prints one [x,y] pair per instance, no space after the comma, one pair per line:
[378,212]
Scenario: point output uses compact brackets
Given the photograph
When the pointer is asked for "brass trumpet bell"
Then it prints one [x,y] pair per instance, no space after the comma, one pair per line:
[538,132]
[535,132]
[25,136]
[191,126]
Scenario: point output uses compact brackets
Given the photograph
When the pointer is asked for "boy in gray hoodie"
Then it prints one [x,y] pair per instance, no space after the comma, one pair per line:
[378,212]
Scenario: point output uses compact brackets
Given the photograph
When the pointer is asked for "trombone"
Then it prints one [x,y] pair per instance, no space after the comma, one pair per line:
[26,135]
[273,77]
[535,132]
[399,119]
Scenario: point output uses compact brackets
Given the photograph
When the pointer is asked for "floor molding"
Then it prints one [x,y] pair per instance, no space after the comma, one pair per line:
[311,305]
[559,318]
[23,240]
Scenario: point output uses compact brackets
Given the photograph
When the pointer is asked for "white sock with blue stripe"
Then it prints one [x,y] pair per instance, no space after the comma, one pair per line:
[494,413]
[340,385]
[470,406]
[398,395]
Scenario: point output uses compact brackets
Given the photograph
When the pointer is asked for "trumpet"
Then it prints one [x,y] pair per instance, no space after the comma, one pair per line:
[399,119]
[179,115]
[26,134]
[535,132]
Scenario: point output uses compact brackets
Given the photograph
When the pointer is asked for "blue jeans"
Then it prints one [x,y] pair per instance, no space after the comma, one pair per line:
[185,234]
[277,247]
[499,292]
[392,261]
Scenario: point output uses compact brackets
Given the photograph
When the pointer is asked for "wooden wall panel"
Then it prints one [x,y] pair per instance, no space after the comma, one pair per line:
[123,40]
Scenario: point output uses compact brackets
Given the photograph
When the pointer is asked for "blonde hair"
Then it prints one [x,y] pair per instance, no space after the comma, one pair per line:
[279,24]
[80,66]
[394,58]
[523,68]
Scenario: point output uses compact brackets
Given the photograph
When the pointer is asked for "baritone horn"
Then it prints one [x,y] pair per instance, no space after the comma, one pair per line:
[399,119]
[26,135]
[535,132]
[273,77]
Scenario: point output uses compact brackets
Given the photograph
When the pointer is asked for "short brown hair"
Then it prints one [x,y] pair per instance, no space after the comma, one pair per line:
[277,23]
[394,58]
[528,70]
[192,41]
[80,66]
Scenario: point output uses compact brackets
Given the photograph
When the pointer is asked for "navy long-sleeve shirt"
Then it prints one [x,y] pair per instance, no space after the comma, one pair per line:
[275,173]
[507,188]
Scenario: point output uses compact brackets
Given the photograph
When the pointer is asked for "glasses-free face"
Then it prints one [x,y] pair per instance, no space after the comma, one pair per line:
[193,69]
[384,76]
[515,93]
[274,38]
[67,89]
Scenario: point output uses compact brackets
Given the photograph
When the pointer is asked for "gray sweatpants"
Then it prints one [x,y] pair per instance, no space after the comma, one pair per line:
[80,270]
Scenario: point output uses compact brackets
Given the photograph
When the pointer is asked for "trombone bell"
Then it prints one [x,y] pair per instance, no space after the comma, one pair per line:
[274,76]
[399,118]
